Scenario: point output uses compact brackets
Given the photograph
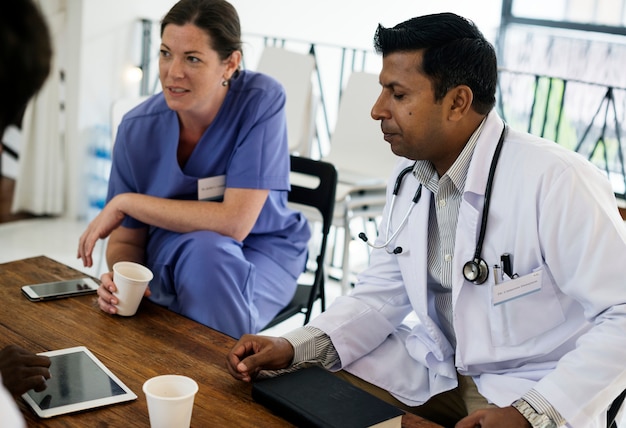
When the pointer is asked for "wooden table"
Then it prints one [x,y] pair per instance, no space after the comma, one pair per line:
[153,342]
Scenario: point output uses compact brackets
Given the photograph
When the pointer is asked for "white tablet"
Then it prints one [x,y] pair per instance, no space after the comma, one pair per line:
[78,381]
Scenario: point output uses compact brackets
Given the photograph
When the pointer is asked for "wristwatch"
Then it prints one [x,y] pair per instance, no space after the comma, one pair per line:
[536,419]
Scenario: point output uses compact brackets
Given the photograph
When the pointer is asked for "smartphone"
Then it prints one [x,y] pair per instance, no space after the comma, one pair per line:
[60,289]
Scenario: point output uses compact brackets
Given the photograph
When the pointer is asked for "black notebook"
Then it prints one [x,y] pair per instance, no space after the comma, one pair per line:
[314,397]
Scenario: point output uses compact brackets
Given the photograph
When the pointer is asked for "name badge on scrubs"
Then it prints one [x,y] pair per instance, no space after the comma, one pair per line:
[516,288]
[211,188]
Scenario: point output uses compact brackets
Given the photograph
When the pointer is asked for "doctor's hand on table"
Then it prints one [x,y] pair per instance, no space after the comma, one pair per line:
[253,353]
[493,418]
[23,370]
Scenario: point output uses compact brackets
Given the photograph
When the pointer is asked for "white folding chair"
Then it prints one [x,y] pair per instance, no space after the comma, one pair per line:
[294,71]
[363,161]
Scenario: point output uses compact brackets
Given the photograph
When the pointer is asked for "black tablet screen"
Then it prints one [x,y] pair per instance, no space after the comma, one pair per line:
[75,378]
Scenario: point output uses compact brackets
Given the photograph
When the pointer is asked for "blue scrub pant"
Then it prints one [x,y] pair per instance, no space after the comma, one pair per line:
[216,281]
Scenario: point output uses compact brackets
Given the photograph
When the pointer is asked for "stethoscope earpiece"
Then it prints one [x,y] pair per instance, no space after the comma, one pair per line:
[391,236]
[397,250]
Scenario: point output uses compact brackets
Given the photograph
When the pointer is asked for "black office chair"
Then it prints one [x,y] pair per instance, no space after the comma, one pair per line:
[322,177]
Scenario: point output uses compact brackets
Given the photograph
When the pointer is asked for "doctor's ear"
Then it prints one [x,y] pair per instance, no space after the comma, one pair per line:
[460,100]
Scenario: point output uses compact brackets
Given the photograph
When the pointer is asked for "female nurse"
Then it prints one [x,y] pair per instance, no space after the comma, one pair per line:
[199,182]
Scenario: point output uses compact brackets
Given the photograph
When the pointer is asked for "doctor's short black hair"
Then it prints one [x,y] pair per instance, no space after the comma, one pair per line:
[455,53]
[25,56]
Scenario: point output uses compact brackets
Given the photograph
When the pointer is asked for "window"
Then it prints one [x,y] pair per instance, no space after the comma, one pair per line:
[602,16]
[561,76]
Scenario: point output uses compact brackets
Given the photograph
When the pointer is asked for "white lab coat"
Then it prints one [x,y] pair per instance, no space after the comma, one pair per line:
[553,212]
[10,416]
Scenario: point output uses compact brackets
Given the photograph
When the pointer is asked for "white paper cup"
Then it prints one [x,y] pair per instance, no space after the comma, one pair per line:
[131,280]
[170,400]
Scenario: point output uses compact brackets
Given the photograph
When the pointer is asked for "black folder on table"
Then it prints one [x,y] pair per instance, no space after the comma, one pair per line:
[314,397]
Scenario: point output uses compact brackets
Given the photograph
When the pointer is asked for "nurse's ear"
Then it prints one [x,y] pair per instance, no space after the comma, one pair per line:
[458,102]
[232,63]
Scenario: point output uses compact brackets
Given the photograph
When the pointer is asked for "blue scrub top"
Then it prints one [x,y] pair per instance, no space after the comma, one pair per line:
[247,142]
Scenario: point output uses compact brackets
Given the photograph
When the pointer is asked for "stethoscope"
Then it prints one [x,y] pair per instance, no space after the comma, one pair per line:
[414,201]
[475,270]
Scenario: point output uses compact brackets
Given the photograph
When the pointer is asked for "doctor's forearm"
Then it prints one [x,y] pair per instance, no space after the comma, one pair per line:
[539,403]
[312,345]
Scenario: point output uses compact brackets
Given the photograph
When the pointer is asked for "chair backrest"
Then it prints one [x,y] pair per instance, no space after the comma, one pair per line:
[356,145]
[319,193]
[294,71]
[313,187]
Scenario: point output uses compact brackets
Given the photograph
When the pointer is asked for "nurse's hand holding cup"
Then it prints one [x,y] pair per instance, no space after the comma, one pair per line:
[131,280]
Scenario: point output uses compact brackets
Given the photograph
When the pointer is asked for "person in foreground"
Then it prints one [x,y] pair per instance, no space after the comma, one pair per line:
[540,345]
[25,57]
[229,256]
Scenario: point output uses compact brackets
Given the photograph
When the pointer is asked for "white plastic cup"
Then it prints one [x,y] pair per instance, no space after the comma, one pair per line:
[131,280]
[170,400]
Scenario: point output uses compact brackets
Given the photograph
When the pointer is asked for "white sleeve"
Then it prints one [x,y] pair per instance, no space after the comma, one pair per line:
[10,415]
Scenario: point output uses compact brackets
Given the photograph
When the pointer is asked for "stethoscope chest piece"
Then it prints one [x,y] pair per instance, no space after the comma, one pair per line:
[476,271]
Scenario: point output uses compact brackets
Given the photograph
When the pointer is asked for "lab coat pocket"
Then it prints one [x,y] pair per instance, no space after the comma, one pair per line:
[516,321]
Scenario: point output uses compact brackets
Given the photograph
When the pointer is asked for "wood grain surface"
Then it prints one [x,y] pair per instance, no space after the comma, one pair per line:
[153,342]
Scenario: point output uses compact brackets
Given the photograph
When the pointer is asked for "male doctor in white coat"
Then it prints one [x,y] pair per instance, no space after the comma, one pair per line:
[512,259]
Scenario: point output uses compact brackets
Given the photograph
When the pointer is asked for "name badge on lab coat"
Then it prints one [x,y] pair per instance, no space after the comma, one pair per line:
[516,288]
[211,188]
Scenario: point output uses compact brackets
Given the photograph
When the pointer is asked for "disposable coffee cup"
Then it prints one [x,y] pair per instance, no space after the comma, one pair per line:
[170,400]
[131,280]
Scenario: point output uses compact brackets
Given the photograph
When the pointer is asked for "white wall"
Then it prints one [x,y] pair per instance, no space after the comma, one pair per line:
[353,22]
[103,41]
